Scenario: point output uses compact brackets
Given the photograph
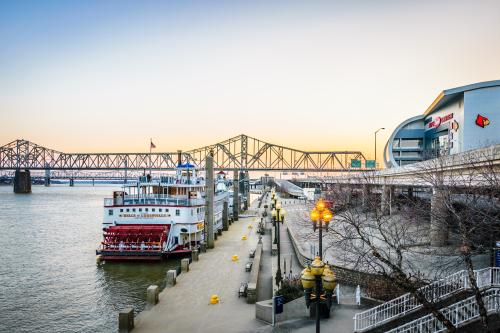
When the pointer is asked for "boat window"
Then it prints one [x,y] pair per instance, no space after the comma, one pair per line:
[133,209]
[128,210]
[166,210]
[152,209]
[147,209]
[121,210]
[177,212]
[140,209]
[192,212]
[161,210]
[110,212]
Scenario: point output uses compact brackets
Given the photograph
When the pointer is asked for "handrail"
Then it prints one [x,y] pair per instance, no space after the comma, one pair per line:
[435,291]
[154,199]
[458,313]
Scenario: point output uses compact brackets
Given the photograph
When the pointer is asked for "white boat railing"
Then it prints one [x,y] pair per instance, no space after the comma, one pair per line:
[433,292]
[154,199]
[458,313]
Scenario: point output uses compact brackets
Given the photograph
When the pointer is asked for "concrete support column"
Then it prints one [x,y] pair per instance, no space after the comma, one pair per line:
[225,216]
[365,196]
[22,181]
[391,198]
[126,320]
[236,198]
[152,295]
[439,227]
[209,200]
[410,192]
[386,200]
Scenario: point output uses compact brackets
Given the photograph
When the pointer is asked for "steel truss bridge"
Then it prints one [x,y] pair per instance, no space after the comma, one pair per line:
[241,152]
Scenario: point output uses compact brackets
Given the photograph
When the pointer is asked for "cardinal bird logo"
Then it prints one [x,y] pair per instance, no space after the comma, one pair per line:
[482,121]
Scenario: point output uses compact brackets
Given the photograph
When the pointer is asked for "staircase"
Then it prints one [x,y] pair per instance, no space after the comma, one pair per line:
[406,307]
[460,314]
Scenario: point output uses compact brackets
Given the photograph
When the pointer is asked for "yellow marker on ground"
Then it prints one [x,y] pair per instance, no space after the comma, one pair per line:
[234,257]
[250,226]
[243,237]
[214,299]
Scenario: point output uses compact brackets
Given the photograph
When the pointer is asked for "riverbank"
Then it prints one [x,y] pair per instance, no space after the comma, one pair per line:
[186,306]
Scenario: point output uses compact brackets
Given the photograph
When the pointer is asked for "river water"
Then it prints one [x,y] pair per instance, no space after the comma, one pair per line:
[49,280]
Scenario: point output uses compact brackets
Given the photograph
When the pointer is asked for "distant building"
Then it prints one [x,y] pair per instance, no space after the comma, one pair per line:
[458,120]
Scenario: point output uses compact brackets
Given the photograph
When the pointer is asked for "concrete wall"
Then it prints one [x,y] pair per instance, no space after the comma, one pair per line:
[254,276]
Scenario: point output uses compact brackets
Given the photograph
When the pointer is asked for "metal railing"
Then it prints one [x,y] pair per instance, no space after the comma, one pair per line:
[433,292]
[458,313]
[155,199]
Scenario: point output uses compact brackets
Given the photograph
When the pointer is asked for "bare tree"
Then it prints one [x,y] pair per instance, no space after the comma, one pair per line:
[456,198]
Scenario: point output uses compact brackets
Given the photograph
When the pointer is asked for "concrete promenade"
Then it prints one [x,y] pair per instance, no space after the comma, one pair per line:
[186,307]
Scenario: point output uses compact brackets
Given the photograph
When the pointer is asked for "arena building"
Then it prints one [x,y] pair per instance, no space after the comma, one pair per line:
[459,119]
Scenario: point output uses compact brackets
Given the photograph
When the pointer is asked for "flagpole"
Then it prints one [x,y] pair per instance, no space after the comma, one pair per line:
[150,148]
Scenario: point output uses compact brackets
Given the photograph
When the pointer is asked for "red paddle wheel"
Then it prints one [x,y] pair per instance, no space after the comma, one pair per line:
[139,242]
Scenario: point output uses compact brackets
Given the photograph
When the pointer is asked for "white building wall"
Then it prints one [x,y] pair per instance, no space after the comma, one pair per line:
[456,138]
[485,102]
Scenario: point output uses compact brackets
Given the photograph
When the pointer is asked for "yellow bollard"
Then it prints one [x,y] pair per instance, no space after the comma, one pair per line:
[243,237]
[234,257]
[250,226]
[214,299]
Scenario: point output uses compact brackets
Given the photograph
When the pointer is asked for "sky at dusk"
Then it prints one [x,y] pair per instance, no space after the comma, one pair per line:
[102,76]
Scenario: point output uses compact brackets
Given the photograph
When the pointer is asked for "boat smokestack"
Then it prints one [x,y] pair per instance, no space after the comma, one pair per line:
[179,157]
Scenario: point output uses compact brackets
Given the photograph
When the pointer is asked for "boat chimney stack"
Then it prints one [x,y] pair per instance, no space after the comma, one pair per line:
[179,157]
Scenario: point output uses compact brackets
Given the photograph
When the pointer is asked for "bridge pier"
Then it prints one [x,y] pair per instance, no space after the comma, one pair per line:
[386,199]
[439,213]
[22,181]
[236,198]
[365,196]
[47,175]
[209,202]
[410,192]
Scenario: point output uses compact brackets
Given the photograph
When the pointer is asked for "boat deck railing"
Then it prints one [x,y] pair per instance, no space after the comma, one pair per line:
[153,199]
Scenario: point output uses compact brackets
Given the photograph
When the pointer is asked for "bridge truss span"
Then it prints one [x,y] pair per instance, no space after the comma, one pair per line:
[238,153]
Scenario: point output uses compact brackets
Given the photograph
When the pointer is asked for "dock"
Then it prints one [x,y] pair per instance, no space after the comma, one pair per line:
[186,306]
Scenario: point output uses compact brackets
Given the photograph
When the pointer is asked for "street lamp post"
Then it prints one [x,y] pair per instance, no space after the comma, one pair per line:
[382,128]
[318,276]
[278,215]
[320,217]
[274,200]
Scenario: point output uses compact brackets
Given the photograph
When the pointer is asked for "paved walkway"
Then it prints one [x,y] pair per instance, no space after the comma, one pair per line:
[340,321]
[185,307]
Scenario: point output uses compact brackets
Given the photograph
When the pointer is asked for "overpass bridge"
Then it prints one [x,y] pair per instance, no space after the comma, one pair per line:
[461,173]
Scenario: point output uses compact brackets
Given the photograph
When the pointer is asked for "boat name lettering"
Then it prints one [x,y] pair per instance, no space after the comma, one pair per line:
[146,216]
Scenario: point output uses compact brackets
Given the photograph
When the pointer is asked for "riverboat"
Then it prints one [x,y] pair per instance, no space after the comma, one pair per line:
[153,219]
